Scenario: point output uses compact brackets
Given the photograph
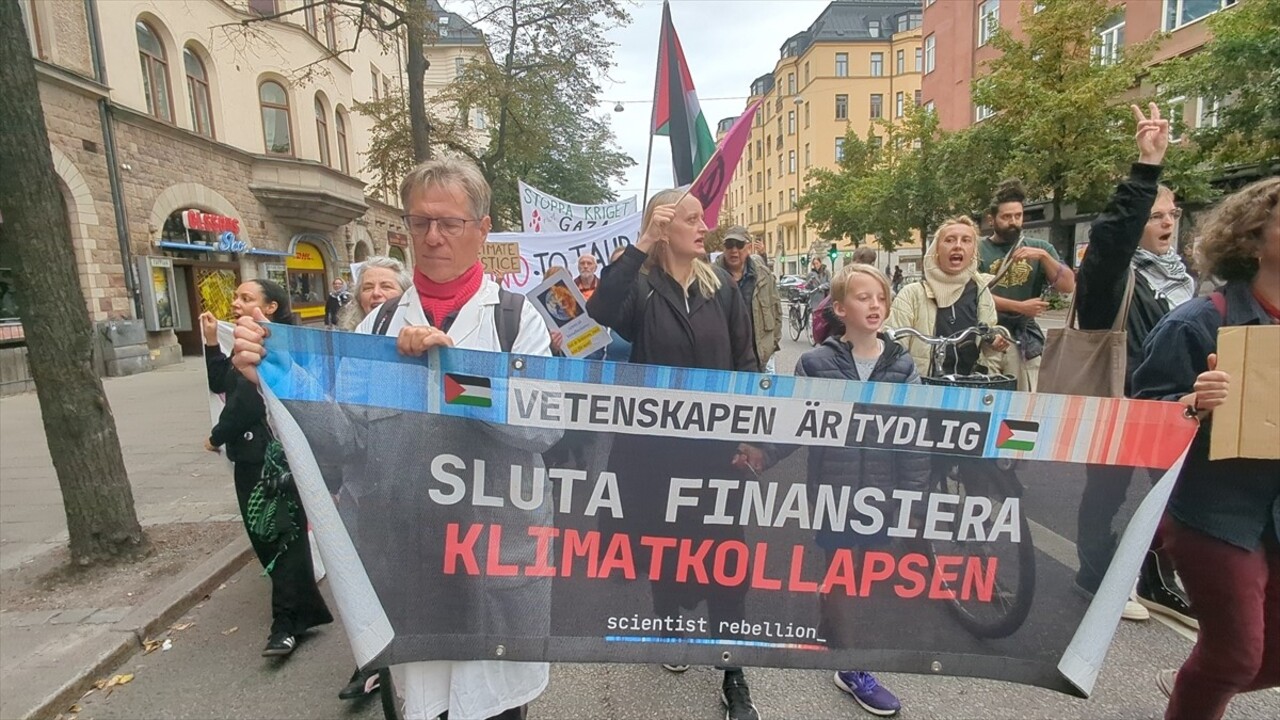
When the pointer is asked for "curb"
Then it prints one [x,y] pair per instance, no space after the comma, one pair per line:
[146,619]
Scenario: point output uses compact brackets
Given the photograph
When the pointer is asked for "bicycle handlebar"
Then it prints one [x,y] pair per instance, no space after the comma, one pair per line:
[983,332]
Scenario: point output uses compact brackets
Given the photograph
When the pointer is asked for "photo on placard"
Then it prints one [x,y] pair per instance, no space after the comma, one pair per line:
[560,303]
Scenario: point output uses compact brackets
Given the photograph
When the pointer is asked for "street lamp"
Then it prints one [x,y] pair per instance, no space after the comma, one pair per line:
[798,101]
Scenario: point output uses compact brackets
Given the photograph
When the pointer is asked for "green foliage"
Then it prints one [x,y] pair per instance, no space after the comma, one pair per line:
[1062,112]
[389,156]
[1239,68]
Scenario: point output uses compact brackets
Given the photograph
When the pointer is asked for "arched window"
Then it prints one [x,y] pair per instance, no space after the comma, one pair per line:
[155,72]
[198,93]
[322,131]
[275,118]
[340,124]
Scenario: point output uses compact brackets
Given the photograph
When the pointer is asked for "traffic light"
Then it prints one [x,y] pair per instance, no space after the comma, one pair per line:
[832,253]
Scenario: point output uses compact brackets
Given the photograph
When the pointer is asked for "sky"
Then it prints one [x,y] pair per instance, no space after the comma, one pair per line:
[727,43]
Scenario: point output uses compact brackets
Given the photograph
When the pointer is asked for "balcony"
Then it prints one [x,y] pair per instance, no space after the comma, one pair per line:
[306,194]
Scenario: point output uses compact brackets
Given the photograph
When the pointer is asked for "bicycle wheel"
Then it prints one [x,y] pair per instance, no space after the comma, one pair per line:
[1001,611]
[794,315]
[387,694]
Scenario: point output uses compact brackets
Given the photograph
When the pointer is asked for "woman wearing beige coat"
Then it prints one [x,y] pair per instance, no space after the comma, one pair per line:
[952,297]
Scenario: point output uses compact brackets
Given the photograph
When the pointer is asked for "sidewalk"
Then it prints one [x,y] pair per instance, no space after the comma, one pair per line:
[162,418]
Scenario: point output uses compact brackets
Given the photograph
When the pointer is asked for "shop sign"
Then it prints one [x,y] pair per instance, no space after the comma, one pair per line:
[397,239]
[228,242]
[209,222]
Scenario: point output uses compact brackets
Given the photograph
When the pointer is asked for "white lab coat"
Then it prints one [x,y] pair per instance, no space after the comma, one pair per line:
[477,689]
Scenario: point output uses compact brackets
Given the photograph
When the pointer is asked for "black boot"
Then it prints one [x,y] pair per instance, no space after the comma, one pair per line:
[1158,591]
[736,697]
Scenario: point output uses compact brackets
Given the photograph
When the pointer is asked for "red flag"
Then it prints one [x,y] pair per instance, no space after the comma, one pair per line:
[713,182]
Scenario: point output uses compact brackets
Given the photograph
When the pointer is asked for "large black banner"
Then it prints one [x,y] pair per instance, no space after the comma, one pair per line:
[502,507]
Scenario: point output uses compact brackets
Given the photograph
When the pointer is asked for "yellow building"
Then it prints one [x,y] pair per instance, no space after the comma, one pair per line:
[860,61]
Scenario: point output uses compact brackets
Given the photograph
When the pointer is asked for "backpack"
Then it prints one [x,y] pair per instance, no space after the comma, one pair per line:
[506,317]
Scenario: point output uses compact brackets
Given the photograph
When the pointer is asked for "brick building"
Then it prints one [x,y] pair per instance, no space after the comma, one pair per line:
[193,156]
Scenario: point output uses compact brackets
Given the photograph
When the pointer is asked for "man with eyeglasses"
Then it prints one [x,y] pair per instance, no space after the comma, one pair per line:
[1138,230]
[759,291]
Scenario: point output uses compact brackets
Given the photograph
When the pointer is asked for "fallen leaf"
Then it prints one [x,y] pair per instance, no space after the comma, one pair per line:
[74,709]
[230,630]
[150,646]
[181,627]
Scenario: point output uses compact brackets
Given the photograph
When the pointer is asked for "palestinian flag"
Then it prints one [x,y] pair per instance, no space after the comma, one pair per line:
[1017,435]
[467,390]
[676,112]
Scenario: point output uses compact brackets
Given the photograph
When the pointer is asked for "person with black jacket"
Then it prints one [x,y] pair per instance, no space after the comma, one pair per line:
[1223,520]
[296,602]
[677,310]
[1136,234]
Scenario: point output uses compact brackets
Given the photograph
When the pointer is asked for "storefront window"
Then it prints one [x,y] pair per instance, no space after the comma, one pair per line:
[308,283]
[396,253]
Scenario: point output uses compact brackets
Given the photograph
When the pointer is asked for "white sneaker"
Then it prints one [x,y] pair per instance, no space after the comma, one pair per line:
[1134,611]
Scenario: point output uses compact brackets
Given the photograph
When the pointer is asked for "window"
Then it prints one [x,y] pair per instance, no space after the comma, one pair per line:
[877,106]
[873,28]
[1110,40]
[1177,118]
[982,112]
[791,83]
[909,21]
[779,128]
[808,156]
[373,74]
[917,98]
[875,142]
[791,162]
[842,64]
[988,20]
[806,72]
[481,121]
[458,64]
[262,7]
[806,115]
[898,103]
[791,194]
[322,132]
[877,64]
[386,86]
[330,29]
[780,168]
[842,107]
[1184,12]
[313,23]
[198,93]
[759,150]
[155,72]
[902,61]
[839,149]
[791,122]
[340,125]
[929,107]
[920,59]
[930,48]
[1206,113]
[275,118]
[31,21]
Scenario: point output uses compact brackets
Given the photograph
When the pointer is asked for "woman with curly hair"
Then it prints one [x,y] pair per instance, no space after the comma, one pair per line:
[1223,522]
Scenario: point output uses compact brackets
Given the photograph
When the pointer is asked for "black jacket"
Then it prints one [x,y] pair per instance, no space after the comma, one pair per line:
[1113,241]
[1235,501]
[242,426]
[856,467]
[649,310]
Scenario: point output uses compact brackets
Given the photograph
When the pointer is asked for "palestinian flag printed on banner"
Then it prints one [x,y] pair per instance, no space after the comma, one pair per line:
[1017,435]
[467,390]
[676,113]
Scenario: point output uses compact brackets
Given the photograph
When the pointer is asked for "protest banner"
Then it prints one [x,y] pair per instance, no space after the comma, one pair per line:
[900,527]
[539,253]
[562,306]
[543,213]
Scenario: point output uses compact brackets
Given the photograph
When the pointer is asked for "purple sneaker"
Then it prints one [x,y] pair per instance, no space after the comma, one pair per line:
[873,697]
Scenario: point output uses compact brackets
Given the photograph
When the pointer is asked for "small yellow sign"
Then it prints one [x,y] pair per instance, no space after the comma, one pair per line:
[500,258]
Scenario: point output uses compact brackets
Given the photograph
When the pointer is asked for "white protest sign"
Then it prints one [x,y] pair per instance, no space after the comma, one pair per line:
[543,213]
[539,253]
[561,305]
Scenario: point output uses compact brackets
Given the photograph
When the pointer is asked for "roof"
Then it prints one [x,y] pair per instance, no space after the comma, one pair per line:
[851,21]
[454,29]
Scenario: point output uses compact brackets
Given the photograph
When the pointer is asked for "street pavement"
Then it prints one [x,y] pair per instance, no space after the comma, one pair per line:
[214,669]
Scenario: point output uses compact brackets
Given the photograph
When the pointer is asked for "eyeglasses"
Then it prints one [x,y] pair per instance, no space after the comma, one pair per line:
[420,226]
[1160,216]
[734,244]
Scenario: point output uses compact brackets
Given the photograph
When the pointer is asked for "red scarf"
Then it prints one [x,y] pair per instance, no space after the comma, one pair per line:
[1267,307]
[440,300]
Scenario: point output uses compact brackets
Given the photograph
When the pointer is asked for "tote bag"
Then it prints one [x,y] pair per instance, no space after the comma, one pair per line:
[1087,362]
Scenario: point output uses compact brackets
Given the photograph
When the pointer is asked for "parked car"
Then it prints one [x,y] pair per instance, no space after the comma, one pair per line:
[791,287]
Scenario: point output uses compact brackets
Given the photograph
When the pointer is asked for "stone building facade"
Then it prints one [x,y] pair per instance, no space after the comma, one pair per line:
[193,156]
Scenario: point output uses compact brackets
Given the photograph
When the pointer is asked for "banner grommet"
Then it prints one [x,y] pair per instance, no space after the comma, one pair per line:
[500,650]
[517,364]
[765,383]
[936,666]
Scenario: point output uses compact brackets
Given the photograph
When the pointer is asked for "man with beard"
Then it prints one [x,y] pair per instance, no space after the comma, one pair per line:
[1032,267]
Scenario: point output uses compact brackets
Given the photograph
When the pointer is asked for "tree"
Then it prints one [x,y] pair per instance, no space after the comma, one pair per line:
[1062,104]
[385,20]
[1238,71]
[835,199]
[78,424]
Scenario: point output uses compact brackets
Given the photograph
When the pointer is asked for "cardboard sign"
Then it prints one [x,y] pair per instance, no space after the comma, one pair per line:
[500,258]
[560,303]
[1247,425]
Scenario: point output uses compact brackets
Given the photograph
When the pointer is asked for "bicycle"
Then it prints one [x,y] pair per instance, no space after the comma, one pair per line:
[799,315]
[996,481]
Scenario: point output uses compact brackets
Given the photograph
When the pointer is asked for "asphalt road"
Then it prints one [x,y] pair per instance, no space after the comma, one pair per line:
[214,672]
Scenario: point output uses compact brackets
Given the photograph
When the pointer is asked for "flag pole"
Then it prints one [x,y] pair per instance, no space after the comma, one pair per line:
[648,165]
[657,71]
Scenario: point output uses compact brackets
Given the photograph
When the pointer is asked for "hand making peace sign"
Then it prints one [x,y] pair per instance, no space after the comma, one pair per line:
[1152,135]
